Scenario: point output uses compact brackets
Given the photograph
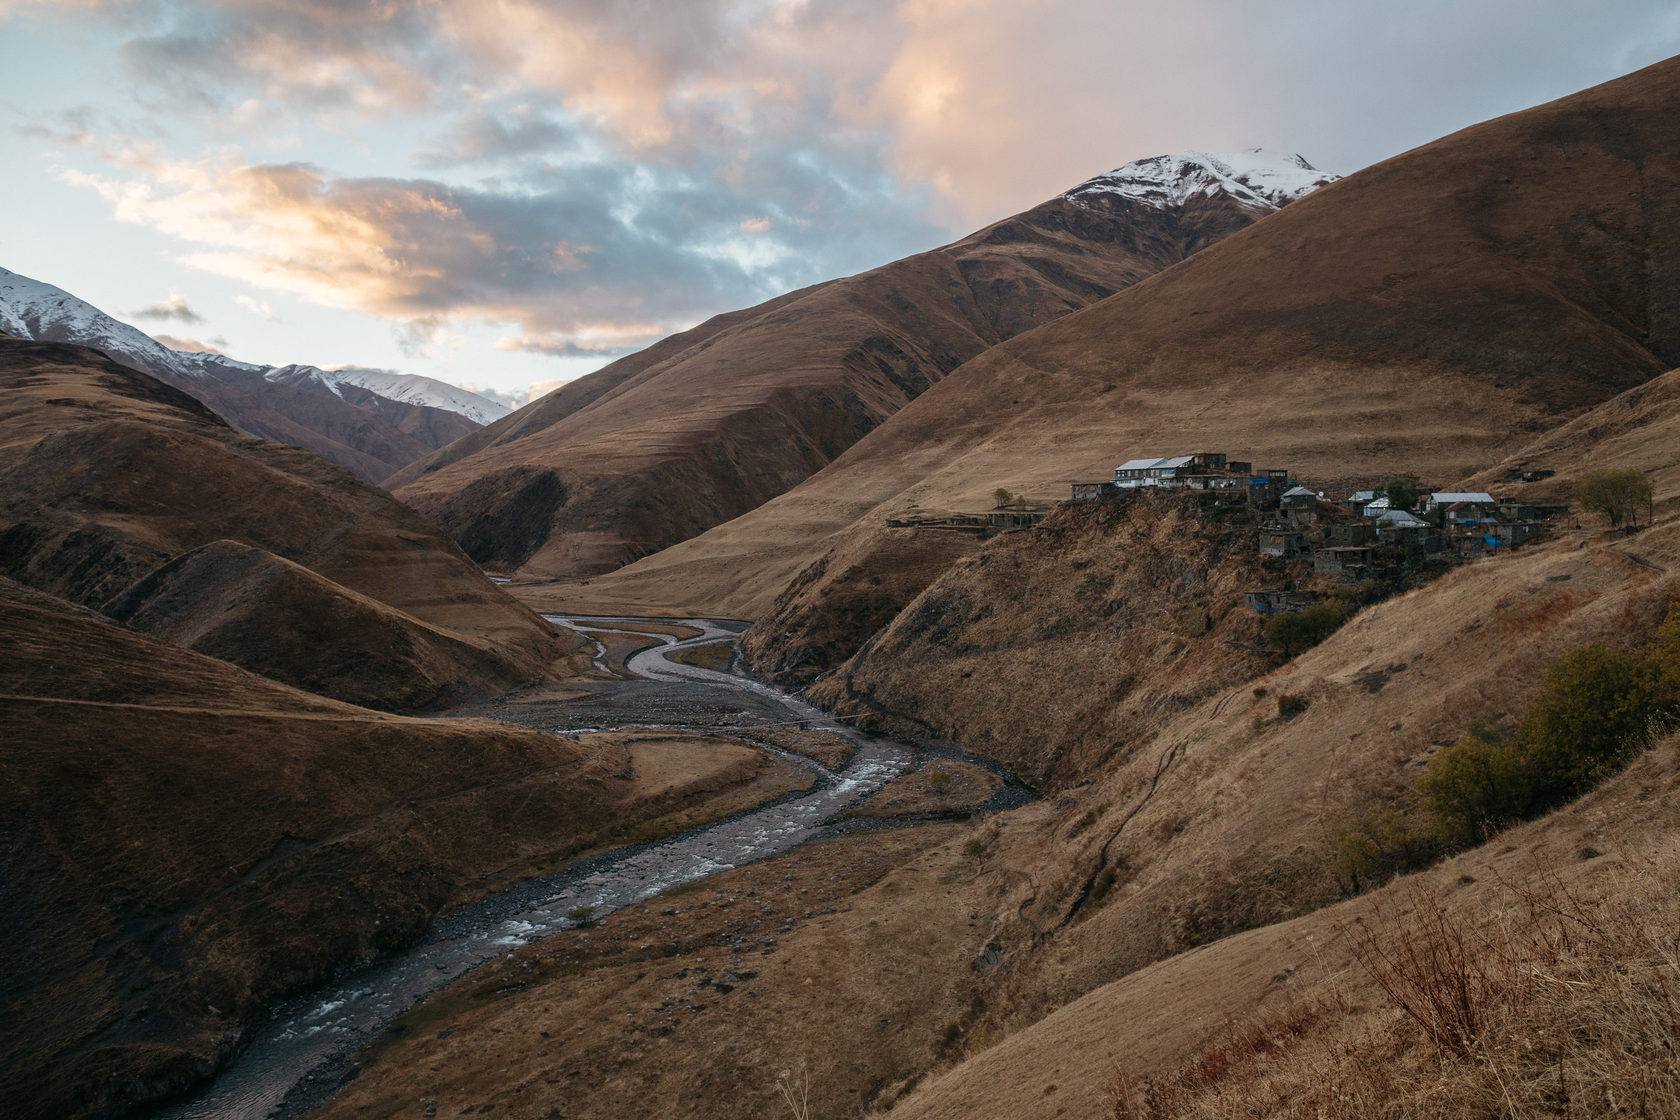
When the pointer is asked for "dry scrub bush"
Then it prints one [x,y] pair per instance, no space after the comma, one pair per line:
[1557,1007]
[796,1094]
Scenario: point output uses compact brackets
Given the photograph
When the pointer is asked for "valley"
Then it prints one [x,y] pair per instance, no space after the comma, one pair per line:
[308,1047]
[1171,653]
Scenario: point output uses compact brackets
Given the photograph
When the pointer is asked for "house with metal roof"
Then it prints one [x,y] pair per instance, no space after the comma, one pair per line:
[1482,502]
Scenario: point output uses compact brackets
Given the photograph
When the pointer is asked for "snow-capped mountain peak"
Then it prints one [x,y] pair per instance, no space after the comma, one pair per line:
[36,310]
[409,388]
[1254,178]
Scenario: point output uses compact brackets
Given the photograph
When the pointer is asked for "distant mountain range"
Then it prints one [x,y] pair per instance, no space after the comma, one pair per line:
[369,421]
[708,424]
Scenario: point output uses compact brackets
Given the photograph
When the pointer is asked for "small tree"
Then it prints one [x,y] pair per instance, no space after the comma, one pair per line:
[1402,492]
[1289,632]
[1298,630]
[1002,496]
[1662,666]
[1474,787]
[1591,715]
[1618,494]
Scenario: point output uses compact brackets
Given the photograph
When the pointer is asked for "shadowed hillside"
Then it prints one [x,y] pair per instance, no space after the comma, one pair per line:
[183,842]
[107,475]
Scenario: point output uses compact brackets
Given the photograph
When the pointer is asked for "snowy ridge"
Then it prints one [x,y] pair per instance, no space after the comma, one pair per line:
[1254,177]
[39,311]
[409,388]
[44,313]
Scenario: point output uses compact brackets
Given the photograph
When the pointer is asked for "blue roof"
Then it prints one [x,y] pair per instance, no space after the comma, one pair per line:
[1493,542]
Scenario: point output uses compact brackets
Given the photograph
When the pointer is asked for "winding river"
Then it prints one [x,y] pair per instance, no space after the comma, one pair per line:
[302,1052]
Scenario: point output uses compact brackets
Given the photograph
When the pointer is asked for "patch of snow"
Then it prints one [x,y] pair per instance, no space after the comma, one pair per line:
[43,313]
[40,312]
[1255,178]
[410,388]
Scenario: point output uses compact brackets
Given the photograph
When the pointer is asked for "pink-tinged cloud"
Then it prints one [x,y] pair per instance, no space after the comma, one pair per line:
[191,345]
[173,308]
[570,263]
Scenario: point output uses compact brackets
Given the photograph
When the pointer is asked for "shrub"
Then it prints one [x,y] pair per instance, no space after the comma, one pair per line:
[1373,845]
[1474,787]
[1662,666]
[1291,704]
[1291,631]
[580,914]
[1617,493]
[939,779]
[1402,492]
[1591,715]
[1288,632]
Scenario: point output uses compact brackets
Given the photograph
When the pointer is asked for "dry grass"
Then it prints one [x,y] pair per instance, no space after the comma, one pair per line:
[1557,1005]
[717,656]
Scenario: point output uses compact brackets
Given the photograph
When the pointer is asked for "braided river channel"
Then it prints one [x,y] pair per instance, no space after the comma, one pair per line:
[303,1051]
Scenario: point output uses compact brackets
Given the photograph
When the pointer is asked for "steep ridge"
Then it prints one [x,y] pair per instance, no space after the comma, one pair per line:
[107,475]
[183,842]
[1429,314]
[661,446]
[279,619]
[368,421]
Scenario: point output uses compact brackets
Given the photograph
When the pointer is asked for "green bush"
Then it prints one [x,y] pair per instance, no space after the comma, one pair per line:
[1616,493]
[1402,492]
[1292,631]
[1662,666]
[1475,787]
[1591,715]
[1373,845]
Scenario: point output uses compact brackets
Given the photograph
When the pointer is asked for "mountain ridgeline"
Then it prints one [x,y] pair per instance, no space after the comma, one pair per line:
[711,423]
[368,421]
[1426,315]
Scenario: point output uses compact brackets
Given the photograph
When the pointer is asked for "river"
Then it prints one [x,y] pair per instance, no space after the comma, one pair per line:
[301,1053]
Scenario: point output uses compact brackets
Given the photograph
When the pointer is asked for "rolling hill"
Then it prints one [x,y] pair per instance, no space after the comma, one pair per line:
[114,486]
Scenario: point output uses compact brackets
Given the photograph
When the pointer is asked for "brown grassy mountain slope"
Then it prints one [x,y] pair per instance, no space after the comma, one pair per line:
[665,444]
[1215,825]
[181,842]
[1639,428]
[1567,972]
[1117,924]
[1059,650]
[107,474]
[848,594]
[279,619]
[1429,314]
[1213,809]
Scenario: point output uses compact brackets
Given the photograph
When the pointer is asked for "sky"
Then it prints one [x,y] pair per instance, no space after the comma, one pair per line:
[507,194]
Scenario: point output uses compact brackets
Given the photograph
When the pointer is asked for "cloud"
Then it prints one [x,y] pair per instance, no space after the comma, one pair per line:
[567,253]
[509,398]
[256,307]
[174,308]
[575,347]
[573,166]
[192,345]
